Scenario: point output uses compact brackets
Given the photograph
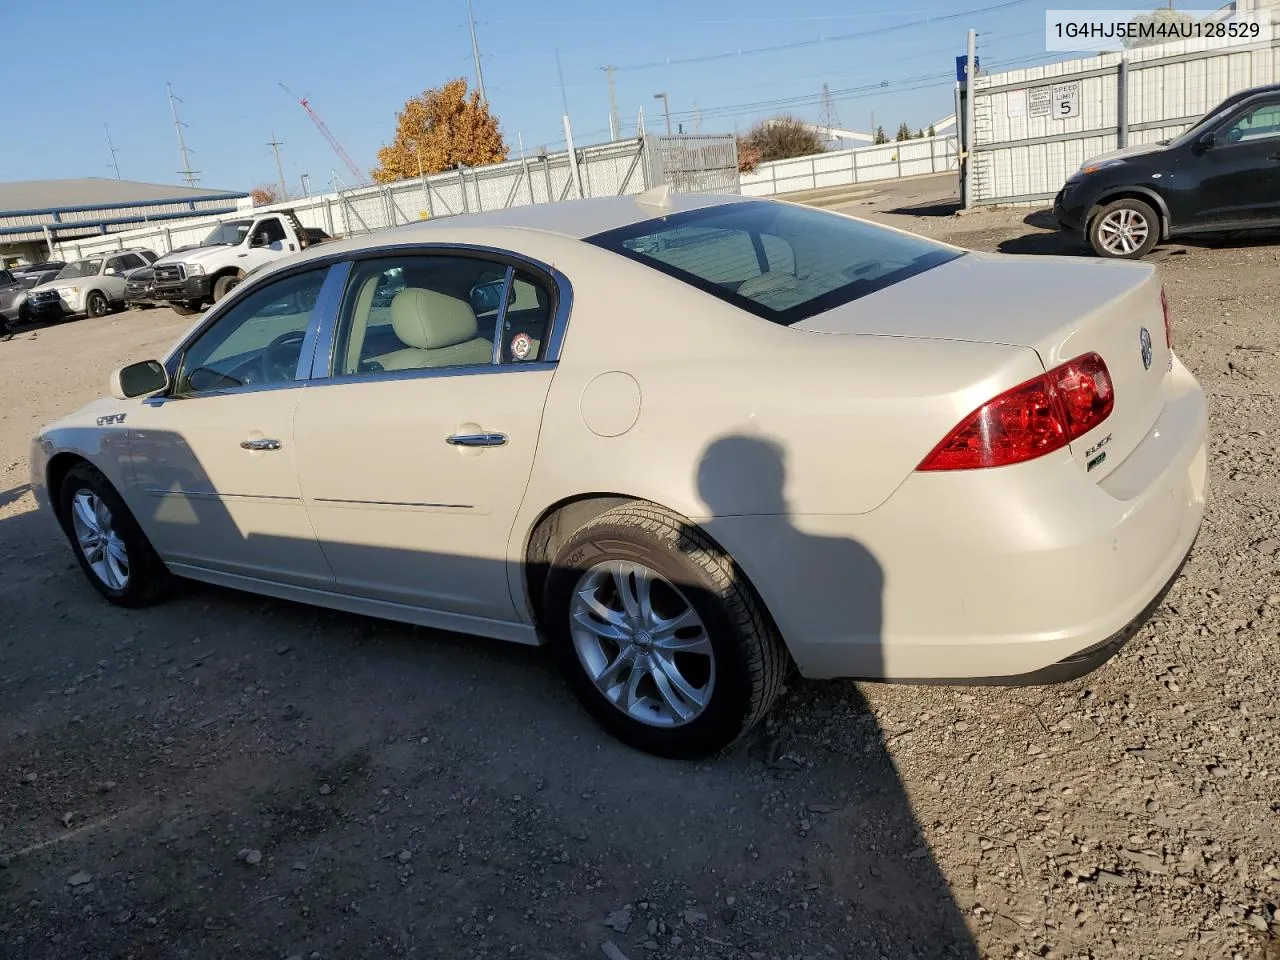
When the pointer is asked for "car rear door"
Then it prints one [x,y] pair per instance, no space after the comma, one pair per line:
[214,478]
[416,438]
[1239,174]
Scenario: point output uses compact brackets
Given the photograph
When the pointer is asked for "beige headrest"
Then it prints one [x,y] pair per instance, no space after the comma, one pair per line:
[427,320]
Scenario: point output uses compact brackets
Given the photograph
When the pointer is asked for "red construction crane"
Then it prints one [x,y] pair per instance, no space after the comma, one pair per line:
[360,176]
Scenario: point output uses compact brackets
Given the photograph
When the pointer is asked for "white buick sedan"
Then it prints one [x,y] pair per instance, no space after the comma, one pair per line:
[692,443]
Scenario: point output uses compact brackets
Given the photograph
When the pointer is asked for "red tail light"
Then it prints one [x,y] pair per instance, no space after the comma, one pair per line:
[1032,419]
[1168,320]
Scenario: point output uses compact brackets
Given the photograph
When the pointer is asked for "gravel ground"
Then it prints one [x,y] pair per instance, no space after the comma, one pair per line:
[228,776]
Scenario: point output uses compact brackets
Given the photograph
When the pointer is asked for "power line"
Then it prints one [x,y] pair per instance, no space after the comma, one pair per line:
[835,38]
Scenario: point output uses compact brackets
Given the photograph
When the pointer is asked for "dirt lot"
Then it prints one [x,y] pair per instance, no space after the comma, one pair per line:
[226,776]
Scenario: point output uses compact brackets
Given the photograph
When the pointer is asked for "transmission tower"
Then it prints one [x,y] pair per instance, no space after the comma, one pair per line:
[114,164]
[828,118]
[189,175]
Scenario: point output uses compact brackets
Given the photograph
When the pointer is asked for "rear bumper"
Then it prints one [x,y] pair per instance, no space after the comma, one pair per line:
[1024,574]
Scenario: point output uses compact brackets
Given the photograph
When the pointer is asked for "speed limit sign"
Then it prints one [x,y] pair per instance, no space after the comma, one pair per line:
[1066,100]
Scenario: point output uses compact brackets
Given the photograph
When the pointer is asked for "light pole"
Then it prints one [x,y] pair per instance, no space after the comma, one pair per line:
[666,109]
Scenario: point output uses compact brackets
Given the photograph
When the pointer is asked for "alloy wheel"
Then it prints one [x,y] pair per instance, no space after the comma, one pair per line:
[641,642]
[96,536]
[1123,231]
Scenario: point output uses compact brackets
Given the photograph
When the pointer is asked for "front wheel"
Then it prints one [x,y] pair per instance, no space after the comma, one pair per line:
[185,308]
[224,285]
[1126,229]
[111,548]
[659,636]
[97,304]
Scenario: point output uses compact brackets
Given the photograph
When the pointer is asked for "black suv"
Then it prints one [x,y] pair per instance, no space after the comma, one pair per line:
[1222,174]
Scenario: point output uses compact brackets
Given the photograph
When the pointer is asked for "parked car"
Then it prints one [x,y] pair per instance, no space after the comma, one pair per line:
[13,299]
[92,286]
[140,287]
[209,271]
[34,274]
[1221,174]
[720,438]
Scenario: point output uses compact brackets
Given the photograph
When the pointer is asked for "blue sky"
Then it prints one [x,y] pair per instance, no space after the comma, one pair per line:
[358,63]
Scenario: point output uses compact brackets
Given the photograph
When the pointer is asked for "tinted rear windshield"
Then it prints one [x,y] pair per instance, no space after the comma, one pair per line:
[782,262]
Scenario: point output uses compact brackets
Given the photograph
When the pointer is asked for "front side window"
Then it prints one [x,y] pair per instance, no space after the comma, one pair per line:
[257,342]
[418,313]
[1260,123]
[782,262]
[273,230]
[6,277]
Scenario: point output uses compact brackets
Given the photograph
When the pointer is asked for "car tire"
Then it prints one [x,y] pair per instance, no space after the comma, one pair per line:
[224,285]
[96,304]
[1126,229]
[112,550]
[185,308]
[730,663]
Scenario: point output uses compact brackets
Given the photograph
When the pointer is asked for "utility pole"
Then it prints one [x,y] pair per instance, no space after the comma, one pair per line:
[475,54]
[306,184]
[564,98]
[615,125]
[276,145]
[112,147]
[666,109]
[968,138]
[189,175]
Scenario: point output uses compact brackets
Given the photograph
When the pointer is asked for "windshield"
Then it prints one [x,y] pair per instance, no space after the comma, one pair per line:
[228,234]
[81,268]
[1210,119]
[781,262]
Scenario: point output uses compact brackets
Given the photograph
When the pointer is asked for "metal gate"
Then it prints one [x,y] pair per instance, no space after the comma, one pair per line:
[694,164]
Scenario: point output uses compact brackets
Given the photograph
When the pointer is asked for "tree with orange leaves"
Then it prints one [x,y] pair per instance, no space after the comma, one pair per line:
[438,130]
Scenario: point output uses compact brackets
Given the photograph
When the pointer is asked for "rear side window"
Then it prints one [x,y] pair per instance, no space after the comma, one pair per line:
[782,262]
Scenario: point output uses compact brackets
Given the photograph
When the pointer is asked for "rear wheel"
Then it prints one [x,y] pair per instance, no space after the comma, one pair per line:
[658,635]
[97,305]
[111,548]
[1125,229]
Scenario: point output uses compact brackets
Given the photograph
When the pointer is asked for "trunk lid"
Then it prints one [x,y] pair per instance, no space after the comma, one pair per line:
[1061,307]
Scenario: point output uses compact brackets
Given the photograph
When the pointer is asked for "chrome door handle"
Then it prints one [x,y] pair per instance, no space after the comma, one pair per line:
[477,439]
[260,444]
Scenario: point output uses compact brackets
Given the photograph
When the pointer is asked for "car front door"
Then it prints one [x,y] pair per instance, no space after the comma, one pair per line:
[1239,172]
[415,448]
[214,478]
[263,243]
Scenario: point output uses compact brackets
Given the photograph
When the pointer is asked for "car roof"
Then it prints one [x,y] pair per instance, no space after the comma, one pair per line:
[577,219]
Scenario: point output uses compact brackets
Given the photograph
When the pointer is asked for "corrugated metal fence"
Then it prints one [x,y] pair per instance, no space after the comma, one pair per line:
[890,161]
[1023,152]
[704,163]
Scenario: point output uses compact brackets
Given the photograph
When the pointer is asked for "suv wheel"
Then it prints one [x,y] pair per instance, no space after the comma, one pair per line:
[1125,229]
[659,636]
[96,305]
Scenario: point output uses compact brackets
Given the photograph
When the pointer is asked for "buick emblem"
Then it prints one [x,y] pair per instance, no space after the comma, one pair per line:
[1144,344]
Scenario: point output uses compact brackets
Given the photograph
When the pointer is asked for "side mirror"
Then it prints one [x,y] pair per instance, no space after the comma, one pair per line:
[1206,141]
[139,380]
[112,272]
[258,240]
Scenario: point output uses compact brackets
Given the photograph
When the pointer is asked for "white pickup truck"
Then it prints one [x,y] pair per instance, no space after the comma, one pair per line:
[207,273]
